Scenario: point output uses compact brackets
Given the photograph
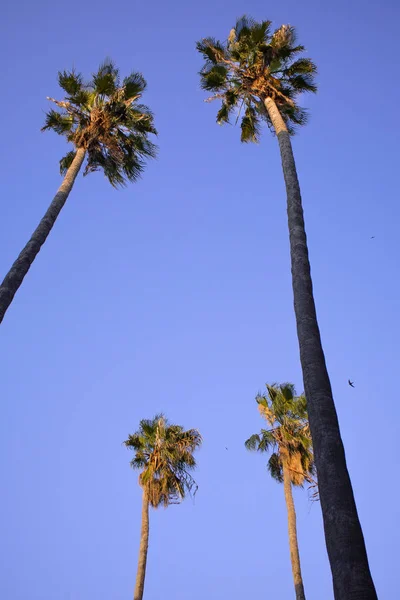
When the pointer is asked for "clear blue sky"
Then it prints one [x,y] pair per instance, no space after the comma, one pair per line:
[175,295]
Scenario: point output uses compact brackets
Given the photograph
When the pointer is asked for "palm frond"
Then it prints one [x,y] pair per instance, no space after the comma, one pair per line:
[303,83]
[243,27]
[133,86]
[106,80]
[82,98]
[250,125]
[268,440]
[253,442]
[58,122]
[70,81]
[66,161]
[260,32]
[275,467]
[300,66]
[288,391]
[214,79]
[212,50]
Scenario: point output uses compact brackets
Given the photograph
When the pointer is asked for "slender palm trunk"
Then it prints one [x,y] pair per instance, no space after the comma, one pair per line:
[344,538]
[293,545]
[21,266]
[144,544]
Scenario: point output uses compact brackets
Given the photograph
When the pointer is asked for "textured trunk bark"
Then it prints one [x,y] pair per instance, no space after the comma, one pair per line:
[21,266]
[293,544]
[144,544]
[344,538]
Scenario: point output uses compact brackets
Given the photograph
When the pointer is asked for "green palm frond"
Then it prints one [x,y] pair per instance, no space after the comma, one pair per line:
[300,66]
[139,119]
[275,467]
[101,160]
[133,86]
[82,99]
[303,83]
[58,122]
[66,161]
[214,78]
[106,80]
[70,81]
[253,442]
[228,105]
[212,50]
[268,440]
[223,114]
[250,125]
[243,28]
[288,391]
[252,65]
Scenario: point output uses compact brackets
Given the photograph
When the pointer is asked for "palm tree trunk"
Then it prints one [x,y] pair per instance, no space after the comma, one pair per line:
[144,544]
[293,545]
[21,266]
[344,537]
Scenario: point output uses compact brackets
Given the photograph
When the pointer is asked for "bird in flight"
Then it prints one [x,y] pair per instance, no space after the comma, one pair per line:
[226,448]
[351,383]
[372,237]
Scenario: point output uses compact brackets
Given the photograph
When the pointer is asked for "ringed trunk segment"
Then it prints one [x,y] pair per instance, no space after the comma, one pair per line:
[343,534]
[21,266]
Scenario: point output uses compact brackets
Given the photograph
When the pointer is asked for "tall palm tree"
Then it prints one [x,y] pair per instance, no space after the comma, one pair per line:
[164,456]
[107,126]
[291,461]
[259,76]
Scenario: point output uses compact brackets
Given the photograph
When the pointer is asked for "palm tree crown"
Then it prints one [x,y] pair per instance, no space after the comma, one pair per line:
[289,438]
[105,118]
[252,65]
[164,454]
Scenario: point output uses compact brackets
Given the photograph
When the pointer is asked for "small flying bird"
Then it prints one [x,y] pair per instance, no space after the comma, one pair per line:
[372,237]
[351,383]
[226,448]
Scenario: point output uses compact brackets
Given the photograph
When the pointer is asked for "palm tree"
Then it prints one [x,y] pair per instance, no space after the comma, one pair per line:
[107,126]
[260,75]
[164,455]
[291,461]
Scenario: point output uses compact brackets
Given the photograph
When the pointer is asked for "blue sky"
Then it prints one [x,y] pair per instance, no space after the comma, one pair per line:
[174,295]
